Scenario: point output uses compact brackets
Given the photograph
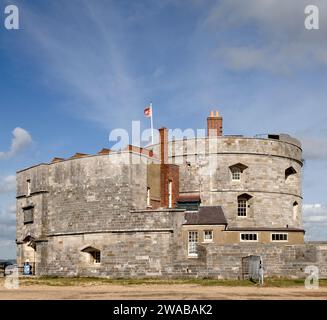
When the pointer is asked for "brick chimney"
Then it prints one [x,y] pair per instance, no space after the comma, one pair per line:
[163,145]
[214,124]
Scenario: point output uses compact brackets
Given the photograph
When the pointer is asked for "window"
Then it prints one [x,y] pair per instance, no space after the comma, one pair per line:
[236,173]
[170,194]
[237,170]
[96,256]
[295,210]
[241,207]
[289,171]
[207,235]
[28,214]
[192,243]
[279,237]
[93,255]
[148,198]
[248,237]
[243,204]
[28,193]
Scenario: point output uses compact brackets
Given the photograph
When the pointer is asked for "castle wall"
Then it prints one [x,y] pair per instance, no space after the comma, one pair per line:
[225,262]
[144,246]
[205,169]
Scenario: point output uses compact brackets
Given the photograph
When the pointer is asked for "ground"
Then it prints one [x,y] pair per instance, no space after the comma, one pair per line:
[94,288]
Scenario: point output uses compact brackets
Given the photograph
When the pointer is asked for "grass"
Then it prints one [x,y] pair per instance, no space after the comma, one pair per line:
[91,281]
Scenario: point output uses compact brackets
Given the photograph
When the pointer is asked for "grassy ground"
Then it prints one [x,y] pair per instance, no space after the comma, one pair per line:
[91,281]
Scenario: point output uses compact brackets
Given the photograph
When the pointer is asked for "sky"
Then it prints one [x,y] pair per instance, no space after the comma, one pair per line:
[75,70]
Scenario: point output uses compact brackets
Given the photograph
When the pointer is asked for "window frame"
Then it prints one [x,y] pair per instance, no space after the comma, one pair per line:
[204,236]
[243,208]
[194,252]
[278,233]
[249,233]
[236,171]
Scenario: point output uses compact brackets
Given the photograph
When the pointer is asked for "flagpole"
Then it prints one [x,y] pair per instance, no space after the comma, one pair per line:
[151,123]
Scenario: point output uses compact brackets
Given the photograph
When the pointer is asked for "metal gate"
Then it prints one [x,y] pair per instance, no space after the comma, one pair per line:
[250,267]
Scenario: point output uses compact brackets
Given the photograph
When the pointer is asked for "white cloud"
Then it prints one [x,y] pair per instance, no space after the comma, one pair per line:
[8,184]
[20,141]
[314,148]
[279,41]
[315,221]
[7,232]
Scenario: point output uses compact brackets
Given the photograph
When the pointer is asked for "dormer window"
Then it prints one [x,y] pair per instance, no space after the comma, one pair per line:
[236,171]
[289,171]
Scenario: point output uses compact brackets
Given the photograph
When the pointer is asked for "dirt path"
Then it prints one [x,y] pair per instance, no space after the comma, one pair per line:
[161,292]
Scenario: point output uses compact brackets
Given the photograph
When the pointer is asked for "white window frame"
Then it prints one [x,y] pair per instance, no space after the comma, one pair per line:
[170,194]
[278,233]
[148,197]
[245,207]
[248,233]
[236,173]
[28,187]
[204,236]
[191,251]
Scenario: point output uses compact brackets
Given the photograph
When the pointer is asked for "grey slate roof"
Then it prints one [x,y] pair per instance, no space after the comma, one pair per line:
[265,229]
[206,215]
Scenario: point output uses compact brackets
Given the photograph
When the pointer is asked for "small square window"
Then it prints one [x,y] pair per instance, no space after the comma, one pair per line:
[236,174]
[208,236]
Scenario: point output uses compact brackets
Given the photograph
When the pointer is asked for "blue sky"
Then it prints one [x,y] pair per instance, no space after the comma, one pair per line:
[77,69]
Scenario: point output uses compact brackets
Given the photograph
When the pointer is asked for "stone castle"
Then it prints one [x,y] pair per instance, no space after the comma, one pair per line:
[201,207]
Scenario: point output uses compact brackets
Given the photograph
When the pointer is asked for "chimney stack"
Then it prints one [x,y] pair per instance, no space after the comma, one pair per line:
[163,145]
[214,124]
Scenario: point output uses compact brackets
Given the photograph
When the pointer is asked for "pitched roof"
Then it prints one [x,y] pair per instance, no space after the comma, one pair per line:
[264,229]
[206,215]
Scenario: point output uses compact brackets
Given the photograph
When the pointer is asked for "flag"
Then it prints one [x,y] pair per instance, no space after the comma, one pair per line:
[148,112]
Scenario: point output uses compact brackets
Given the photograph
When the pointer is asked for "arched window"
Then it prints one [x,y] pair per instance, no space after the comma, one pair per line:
[295,210]
[95,254]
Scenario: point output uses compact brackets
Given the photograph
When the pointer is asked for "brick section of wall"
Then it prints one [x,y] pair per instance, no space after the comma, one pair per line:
[214,125]
[163,145]
[169,172]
